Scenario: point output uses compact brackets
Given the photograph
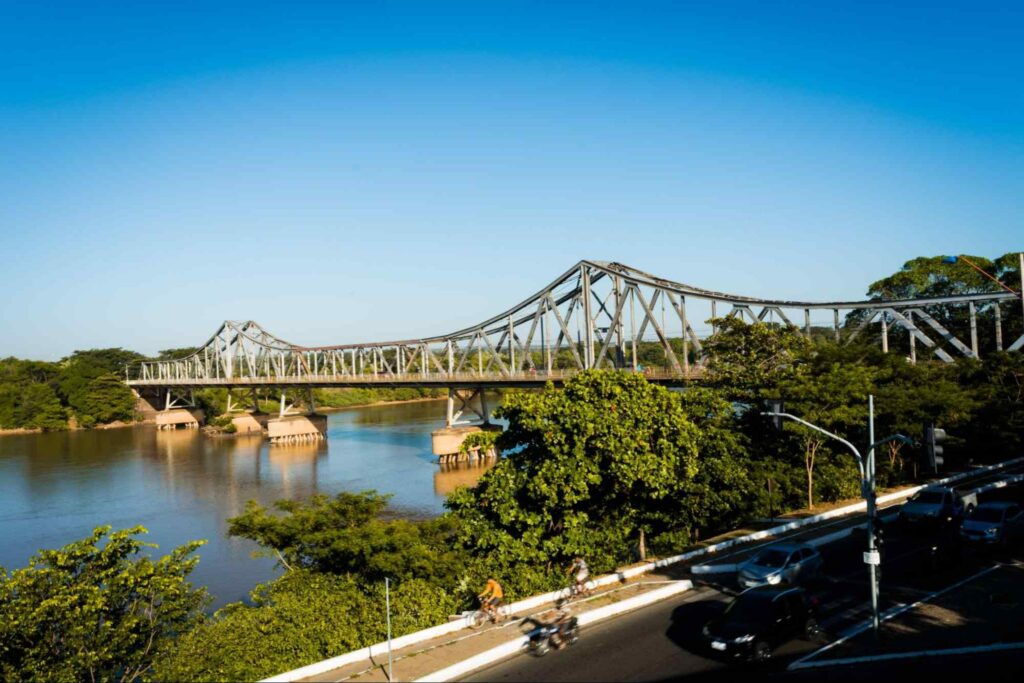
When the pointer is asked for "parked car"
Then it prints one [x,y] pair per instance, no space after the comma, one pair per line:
[936,504]
[791,563]
[761,619]
[993,523]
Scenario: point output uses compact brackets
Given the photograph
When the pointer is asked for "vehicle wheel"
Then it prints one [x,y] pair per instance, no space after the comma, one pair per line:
[541,647]
[572,636]
[812,630]
[475,619]
[762,653]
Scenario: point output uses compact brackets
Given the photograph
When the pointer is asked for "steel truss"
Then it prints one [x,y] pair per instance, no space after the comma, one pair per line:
[595,315]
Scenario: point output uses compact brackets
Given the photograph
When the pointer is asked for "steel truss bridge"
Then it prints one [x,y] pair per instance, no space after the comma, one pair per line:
[595,315]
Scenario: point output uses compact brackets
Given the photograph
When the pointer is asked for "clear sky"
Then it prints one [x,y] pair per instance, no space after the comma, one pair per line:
[351,171]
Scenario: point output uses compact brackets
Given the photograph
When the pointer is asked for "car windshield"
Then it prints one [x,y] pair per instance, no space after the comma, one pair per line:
[984,514]
[753,608]
[773,559]
[927,497]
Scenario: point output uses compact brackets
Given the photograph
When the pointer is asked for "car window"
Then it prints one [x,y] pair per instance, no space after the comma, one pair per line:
[806,553]
[987,514]
[771,558]
[927,497]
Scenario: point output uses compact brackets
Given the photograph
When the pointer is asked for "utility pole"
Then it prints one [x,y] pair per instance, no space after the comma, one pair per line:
[871,557]
[867,476]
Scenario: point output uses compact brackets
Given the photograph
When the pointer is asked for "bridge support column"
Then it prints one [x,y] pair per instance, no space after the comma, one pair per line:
[446,444]
[286,428]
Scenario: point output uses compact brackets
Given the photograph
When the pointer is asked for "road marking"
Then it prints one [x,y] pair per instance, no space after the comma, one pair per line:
[910,655]
[885,616]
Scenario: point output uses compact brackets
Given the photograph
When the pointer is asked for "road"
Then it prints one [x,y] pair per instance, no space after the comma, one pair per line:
[662,642]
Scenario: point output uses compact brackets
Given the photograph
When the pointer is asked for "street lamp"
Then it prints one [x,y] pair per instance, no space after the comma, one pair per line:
[867,487]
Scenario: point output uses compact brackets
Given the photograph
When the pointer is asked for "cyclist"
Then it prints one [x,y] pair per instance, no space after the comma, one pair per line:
[491,597]
[582,572]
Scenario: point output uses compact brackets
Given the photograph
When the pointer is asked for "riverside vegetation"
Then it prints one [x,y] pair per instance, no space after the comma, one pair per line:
[603,468]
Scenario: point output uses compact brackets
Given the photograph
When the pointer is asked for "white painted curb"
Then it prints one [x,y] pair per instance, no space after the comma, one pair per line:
[617,577]
[513,647]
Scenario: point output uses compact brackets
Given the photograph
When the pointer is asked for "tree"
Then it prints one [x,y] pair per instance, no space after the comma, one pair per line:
[301,617]
[95,609]
[40,408]
[834,398]
[746,359]
[345,535]
[909,395]
[586,470]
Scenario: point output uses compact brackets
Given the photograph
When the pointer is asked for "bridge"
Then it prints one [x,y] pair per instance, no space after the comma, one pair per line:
[595,315]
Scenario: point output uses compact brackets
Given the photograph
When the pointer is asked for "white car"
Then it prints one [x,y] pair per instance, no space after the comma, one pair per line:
[785,562]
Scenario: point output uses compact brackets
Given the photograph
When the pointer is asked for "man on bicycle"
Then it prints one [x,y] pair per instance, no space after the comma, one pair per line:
[563,622]
[491,597]
[579,567]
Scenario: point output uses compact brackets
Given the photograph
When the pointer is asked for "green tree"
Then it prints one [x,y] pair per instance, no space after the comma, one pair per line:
[39,407]
[833,397]
[746,359]
[302,617]
[95,609]
[346,535]
[587,468]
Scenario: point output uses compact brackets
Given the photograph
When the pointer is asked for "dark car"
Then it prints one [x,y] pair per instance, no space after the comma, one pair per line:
[761,619]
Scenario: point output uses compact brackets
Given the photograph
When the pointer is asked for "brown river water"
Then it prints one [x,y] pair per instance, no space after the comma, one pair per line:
[182,485]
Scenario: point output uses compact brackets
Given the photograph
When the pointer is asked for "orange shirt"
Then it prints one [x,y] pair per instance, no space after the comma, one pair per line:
[493,589]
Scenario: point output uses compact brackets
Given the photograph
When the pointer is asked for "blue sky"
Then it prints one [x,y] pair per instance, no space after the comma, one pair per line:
[365,170]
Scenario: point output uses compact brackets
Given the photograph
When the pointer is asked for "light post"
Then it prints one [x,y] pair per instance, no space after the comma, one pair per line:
[867,488]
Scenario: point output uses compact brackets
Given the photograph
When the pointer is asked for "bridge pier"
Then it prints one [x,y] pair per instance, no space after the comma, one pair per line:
[290,428]
[446,444]
[175,418]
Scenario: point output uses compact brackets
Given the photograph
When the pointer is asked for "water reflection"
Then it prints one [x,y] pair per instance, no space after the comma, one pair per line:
[447,478]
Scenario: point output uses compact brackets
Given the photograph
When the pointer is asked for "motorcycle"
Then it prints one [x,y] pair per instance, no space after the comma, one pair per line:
[546,636]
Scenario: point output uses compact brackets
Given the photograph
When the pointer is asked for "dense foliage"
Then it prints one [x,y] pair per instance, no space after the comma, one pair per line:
[86,386]
[95,609]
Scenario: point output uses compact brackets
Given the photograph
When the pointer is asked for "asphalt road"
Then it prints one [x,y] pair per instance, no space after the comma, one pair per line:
[662,642]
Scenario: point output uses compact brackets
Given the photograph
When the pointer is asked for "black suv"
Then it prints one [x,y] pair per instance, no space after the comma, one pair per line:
[761,619]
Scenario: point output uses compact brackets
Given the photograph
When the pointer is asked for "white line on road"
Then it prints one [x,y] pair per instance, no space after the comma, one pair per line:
[803,662]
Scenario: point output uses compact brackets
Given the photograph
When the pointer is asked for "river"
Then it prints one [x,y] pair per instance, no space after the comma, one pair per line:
[182,485]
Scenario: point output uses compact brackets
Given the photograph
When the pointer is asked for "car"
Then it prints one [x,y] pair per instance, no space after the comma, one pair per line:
[993,523]
[761,619]
[936,504]
[779,563]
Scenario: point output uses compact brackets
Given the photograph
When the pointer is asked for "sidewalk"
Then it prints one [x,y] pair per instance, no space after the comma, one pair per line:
[425,658]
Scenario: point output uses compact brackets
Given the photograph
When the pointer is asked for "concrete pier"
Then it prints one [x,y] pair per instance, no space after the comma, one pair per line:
[297,428]
[447,442]
[250,423]
[179,418]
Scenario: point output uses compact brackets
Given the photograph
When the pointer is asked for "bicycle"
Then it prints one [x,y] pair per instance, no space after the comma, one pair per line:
[496,614]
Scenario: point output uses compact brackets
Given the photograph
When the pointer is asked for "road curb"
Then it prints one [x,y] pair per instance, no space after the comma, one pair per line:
[513,647]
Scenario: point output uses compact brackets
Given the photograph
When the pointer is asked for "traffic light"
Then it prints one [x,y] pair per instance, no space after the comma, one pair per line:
[775,405]
[933,438]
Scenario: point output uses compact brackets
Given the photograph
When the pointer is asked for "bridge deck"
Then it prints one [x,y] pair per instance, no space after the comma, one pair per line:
[439,380]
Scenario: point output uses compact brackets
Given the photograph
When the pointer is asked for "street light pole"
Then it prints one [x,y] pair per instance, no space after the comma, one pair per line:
[867,477]
[868,485]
